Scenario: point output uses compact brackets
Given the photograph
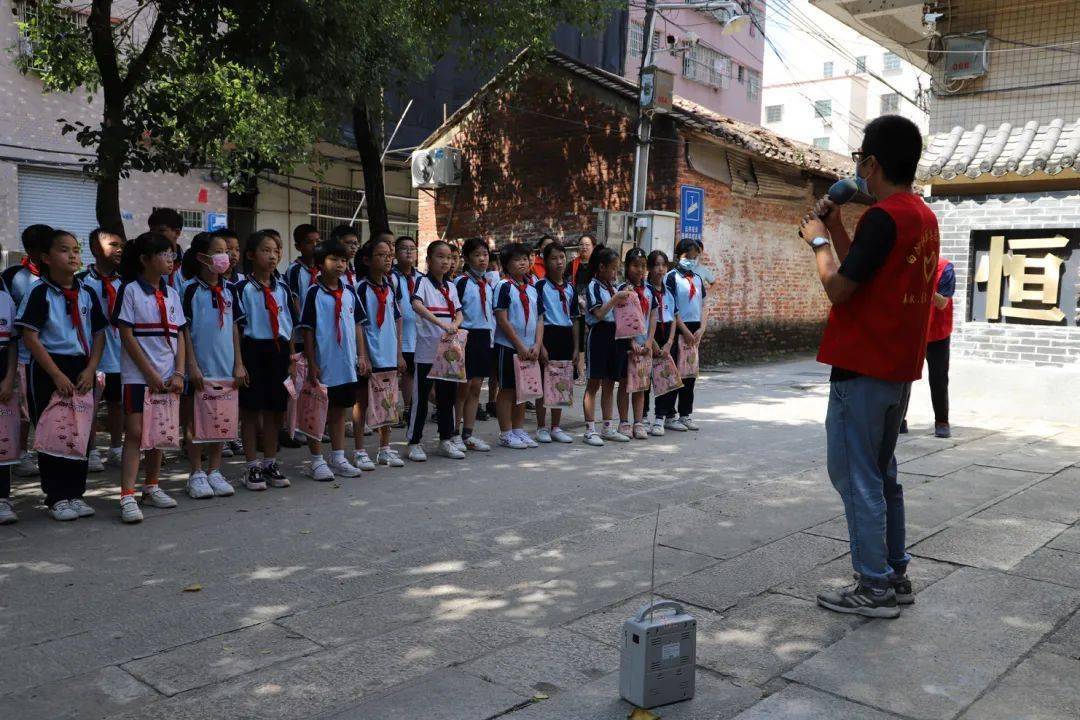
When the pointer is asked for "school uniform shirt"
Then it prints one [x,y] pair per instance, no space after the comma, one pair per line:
[522,312]
[333,316]
[441,300]
[107,290]
[18,279]
[405,287]
[597,295]
[66,319]
[211,312]
[493,277]
[666,309]
[379,313]
[646,299]
[300,278]
[558,304]
[235,279]
[268,310]
[477,302]
[7,325]
[689,293]
[156,317]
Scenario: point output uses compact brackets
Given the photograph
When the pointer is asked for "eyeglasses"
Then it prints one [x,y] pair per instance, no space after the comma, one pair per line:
[167,255]
[858,156]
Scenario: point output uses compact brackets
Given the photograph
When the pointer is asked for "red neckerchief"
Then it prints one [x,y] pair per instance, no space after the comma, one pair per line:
[29,265]
[607,286]
[644,301]
[659,295]
[72,297]
[272,309]
[163,313]
[562,296]
[219,298]
[444,290]
[337,294]
[411,281]
[481,286]
[523,296]
[352,277]
[110,291]
[693,285]
[381,293]
[313,273]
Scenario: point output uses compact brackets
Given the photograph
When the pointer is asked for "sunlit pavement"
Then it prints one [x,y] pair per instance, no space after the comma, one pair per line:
[496,586]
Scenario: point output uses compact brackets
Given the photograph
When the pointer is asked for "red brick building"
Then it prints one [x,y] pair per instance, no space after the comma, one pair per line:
[550,141]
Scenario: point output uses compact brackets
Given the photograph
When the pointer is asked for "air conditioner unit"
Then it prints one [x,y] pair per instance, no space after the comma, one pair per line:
[436,167]
[965,56]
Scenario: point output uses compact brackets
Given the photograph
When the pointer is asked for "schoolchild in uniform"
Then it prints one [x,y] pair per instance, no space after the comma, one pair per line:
[336,354]
[689,290]
[170,223]
[150,317]
[9,361]
[349,237]
[213,311]
[635,271]
[493,276]
[300,276]
[381,320]
[235,273]
[438,312]
[558,308]
[103,279]
[519,331]
[606,357]
[663,336]
[266,349]
[479,319]
[405,278]
[62,326]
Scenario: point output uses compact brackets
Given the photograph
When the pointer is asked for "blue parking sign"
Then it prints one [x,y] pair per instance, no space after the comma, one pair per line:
[692,212]
[216,221]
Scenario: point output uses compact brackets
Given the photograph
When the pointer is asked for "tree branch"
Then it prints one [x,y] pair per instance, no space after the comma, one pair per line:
[101,42]
[153,43]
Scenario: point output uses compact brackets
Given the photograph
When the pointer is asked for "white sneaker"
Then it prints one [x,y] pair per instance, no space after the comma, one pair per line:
[447,448]
[416,453]
[594,439]
[218,483]
[657,429]
[198,487]
[390,458]
[362,460]
[94,463]
[344,468]
[27,466]
[62,510]
[640,433]
[7,512]
[226,450]
[81,508]
[155,496]
[543,435]
[512,440]
[614,435]
[129,509]
[114,457]
[674,424]
[689,423]
[526,438]
[459,443]
[559,435]
[477,445]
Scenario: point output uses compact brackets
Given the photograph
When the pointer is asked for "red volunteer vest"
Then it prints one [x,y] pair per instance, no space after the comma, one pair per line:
[940,320]
[881,330]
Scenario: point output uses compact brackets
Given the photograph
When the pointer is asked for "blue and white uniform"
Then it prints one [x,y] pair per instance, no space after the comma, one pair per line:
[92,279]
[333,316]
[689,293]
[211,313]
[379,313]
[265,353]
[650,302]
[404,287]
[140,307]
[257,323]
[18,279]
[559,308]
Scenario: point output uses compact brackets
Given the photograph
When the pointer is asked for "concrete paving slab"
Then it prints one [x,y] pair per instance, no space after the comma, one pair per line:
[1068,540]
[945,663]
[1057,498]
[1043,687]
[921,446]
[988,541]
[93,696]
[1065,640]
[803,703]
[1046,456]
[956,458]
[1056,566]
[722,586]
[559,661]
[838,574]
[219,658]
[26,667]
[441,695]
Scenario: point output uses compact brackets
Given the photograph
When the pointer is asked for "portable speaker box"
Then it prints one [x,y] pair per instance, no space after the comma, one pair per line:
[659,647]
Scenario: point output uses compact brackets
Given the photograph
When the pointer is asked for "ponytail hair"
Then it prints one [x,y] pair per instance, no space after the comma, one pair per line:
[601,255]
[146,245]
[189,267]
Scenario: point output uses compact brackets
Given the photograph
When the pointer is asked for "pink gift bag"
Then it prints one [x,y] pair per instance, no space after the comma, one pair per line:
[559,383]
[638,373]
[311,409]
[292,383]
[665,376]
[10,417]
[217,407]
[161,421]
[688,359]
[449,362]
[527,377]
[382,399]
[629,322]
[63,430]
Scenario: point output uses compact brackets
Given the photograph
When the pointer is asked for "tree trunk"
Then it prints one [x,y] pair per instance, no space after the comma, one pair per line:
[369,145]
[112,143]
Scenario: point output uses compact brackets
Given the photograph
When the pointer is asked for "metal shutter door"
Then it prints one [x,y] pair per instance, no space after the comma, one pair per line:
[61,199]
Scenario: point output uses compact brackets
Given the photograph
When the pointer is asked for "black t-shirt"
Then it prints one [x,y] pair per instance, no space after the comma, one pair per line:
[873,241]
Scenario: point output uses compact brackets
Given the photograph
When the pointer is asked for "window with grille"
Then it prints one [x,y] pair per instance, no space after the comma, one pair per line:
[707,66]
[827,70]
[753,85]
[823,108]
[890,104]
[891,63]
[193,219]
[774,113]
[23,10]
[333,206]
[860,64]
[822,143]
[742,74]
[637,34]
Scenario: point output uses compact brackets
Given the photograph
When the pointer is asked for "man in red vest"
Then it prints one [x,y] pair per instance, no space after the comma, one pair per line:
[875,341]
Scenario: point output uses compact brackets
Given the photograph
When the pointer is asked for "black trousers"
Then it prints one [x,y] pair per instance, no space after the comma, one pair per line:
[937,363]
[445,397]
[61,478]
[5,482]
[684,396]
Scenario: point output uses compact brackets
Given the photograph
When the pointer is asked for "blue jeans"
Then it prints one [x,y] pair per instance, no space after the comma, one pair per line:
[862,426]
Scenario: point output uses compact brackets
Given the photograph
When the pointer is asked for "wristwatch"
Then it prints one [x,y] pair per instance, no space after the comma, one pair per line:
[819,242]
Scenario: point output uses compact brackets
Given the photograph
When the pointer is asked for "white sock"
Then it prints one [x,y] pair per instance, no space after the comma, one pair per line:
[116,450]
[268,461]
[316,458]
[590,426]
[338,456]
[384,448]
[608,424]
[254,464]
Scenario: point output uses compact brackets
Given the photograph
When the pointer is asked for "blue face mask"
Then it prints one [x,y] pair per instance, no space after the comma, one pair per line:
[860,182]
[687,264]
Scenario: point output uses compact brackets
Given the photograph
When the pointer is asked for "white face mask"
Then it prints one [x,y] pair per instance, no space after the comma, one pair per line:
[687,264]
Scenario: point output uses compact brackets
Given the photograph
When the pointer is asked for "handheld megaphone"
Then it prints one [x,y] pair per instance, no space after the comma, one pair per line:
[842,191]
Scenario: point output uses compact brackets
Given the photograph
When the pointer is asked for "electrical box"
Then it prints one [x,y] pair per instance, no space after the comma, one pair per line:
[657,656]
[436,167]
[612,227]
[655,230]
[965,56]
[657,89]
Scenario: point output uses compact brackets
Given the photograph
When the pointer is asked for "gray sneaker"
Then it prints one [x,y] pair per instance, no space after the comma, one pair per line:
[81,508]
[129,509]
[861,600]
[62,510]
[7,512]
[905,594]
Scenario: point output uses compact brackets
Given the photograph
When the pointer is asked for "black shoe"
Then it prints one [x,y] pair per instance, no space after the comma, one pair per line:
[861,600]
[942,430]
[273,472]
[905,595]
[285,439]
[254,479]
[481,414]
[903,427]
[491,411]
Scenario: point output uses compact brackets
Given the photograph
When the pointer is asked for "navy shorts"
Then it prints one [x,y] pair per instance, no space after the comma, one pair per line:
[343,396]
[559,342]
[504,367]
[267,363]
[410,362]
[478,353]
[114,389]
[605,357]
[134,399]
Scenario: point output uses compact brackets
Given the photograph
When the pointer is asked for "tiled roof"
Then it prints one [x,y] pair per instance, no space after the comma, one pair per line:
[1050,149]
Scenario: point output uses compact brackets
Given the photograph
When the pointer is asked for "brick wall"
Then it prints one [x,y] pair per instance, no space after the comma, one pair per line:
[1008,343]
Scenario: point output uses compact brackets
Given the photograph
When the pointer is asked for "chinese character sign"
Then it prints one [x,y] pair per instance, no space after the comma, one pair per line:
[1025,277]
